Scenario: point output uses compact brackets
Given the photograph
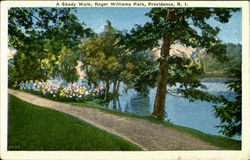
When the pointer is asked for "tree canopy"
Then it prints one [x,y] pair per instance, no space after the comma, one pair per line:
[38,35]
[102,56]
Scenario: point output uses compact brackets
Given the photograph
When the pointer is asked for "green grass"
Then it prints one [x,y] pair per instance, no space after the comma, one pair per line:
[218,141]
[36,128]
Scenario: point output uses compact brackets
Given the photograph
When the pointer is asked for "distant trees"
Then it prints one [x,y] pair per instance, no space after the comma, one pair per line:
[39,35]
[214,67]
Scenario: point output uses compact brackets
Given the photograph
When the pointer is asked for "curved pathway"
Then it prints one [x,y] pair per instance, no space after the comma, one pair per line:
[146,134]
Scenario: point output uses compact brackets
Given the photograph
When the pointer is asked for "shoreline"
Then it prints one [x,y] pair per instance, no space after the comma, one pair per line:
[214,79]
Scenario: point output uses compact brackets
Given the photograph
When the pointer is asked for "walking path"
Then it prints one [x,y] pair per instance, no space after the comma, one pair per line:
[148,135]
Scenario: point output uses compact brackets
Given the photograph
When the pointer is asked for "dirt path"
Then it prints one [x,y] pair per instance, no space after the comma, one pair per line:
[148,135]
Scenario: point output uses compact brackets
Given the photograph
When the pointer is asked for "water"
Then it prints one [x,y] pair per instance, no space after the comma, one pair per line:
[179,111]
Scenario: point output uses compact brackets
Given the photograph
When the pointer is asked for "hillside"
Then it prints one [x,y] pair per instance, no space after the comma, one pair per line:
[215,68]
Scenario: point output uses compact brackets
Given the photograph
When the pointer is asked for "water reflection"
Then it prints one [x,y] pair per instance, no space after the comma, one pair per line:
[140,104]
[136,104]
[116,104]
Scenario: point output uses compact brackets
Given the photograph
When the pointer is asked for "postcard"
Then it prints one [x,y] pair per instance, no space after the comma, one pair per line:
[125,80]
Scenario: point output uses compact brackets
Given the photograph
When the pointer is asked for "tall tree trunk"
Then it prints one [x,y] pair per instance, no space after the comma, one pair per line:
[87,73]
[160,99]
[118,87]
[107,89]
[45,78]
[114,104]
[114,87]
[119,104]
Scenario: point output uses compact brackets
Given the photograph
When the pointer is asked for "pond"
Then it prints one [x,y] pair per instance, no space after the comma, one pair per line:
[179,111]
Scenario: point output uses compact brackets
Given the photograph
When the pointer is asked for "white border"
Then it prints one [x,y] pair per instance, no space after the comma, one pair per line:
[53,3]
[244,154]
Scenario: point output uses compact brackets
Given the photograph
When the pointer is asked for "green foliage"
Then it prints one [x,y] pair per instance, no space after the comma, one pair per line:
[180,23]
[24,68]
[141,72]
[37,128]
[67,65]
[106,60]
[184,71]
[214,67]
[100,54]
[38,35]
[230,112]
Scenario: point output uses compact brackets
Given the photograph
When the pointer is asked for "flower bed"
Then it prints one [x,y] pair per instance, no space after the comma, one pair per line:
[58,91]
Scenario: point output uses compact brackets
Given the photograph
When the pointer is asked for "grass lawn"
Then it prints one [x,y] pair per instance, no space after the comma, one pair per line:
[36,128]
[219,141]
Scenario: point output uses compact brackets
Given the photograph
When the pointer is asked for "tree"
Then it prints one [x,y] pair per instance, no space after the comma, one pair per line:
[39,34]
[101,57]
[231,110]
[171,26]
[21,69]
[67,65]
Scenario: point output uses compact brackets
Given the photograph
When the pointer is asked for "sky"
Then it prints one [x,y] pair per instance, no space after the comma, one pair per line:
[123,18]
